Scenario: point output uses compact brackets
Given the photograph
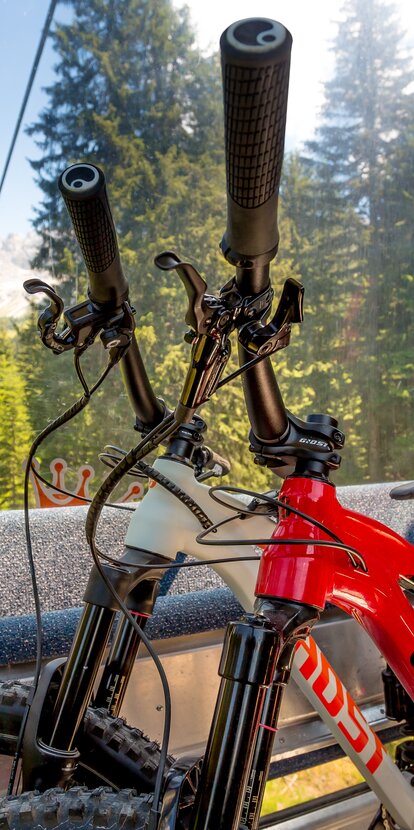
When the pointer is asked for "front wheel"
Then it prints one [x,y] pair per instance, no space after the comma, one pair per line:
[75,809]
[112,752]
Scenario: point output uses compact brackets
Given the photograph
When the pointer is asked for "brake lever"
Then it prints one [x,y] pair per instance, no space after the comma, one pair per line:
[198,314]
[83,323]
[50,317]
[34,286]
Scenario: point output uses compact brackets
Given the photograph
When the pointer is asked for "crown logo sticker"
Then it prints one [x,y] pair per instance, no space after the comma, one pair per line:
[47,496]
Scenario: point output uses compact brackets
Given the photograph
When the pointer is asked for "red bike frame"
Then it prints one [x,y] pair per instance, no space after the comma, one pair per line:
[315,575]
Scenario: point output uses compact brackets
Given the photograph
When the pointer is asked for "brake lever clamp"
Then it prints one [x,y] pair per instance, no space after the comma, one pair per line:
[84,322]
[254,306]
[116,335]
[261,338]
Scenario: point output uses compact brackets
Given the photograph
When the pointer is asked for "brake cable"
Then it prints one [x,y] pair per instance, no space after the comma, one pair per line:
[65,416]
[85,499]
[355,556]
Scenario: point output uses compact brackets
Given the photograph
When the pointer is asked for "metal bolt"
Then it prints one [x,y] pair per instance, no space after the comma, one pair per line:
[266,348]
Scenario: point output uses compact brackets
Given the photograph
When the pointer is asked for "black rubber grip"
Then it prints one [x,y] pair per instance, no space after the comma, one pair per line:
[84,192]
[255,56]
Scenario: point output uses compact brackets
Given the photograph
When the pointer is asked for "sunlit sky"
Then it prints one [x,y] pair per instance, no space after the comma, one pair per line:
[312,24]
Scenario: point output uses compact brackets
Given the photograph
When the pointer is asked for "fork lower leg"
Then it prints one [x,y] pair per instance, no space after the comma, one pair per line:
[252,651]
[252,804]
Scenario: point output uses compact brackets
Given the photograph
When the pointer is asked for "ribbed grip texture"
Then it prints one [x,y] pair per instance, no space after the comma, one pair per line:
[94,233]
[255,102]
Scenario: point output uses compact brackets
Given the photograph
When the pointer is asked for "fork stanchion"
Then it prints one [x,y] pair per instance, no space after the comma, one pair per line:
[256,653]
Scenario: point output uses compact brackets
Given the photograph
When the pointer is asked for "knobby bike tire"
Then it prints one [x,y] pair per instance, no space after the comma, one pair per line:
[75,809]
[111,751]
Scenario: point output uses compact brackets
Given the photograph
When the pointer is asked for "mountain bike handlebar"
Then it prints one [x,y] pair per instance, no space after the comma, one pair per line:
[255,63]
[149,409]
[255,57]
[84,191]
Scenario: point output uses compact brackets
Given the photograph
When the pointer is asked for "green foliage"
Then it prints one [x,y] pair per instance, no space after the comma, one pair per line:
[363,241]
[132,96]
[15,428]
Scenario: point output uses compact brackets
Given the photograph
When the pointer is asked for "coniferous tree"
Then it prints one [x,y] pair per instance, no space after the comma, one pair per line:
[356,158]
[134,96]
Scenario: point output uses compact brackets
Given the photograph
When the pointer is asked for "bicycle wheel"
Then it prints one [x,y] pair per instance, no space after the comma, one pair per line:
[111,751]
[77,808]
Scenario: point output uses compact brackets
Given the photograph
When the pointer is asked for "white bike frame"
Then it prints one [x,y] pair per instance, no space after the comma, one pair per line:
[164,525]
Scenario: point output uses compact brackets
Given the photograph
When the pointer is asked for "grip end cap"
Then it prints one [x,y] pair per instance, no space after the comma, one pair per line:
[81,181]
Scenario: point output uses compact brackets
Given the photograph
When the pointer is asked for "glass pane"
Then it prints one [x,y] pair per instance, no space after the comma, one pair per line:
[135,88]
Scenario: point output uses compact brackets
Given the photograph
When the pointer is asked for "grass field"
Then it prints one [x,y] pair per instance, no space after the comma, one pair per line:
[308,784]
[312,783]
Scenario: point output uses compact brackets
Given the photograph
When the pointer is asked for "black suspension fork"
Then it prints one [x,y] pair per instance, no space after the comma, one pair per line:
[88,648]
[83,662]
[259,770]
[124,649]
[51,747]
[256,655]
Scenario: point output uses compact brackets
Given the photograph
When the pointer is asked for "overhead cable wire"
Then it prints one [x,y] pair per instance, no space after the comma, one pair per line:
[36,62]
